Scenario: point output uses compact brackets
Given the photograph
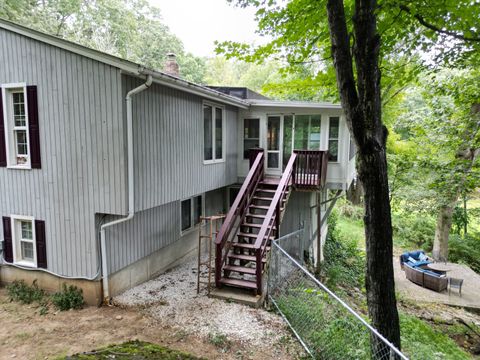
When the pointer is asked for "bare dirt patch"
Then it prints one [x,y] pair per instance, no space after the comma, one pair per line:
[236,332]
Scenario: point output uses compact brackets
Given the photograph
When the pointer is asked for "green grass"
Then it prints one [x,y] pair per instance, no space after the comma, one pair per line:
[352,229]
[343,337]
[421,341]
[132,350]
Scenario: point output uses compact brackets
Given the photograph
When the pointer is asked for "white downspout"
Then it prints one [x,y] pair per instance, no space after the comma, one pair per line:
[131,190]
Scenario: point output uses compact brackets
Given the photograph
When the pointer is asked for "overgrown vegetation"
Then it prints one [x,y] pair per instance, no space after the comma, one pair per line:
[133,350]
[70,297]
[344,263]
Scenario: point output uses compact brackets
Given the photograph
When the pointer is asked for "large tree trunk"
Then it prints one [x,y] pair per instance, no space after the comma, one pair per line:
[444,224]
[467,155]
[361,102]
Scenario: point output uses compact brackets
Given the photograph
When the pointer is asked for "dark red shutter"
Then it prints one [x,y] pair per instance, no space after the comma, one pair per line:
[33,129]
[3,148]
[7,237]
[41,245]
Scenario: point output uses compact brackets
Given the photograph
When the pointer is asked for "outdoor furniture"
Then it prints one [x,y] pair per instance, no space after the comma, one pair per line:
[438,267]
[427,278]
[456,283]
[414,258]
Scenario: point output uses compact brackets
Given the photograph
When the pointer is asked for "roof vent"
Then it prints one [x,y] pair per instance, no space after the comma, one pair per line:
[171,66]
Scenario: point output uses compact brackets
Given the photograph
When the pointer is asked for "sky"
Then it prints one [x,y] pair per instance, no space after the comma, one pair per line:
[198,23]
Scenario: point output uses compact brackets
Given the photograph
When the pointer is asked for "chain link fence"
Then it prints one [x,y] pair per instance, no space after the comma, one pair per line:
[326,326]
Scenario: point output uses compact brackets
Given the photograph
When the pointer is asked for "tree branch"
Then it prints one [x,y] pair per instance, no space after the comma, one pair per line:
[435,28]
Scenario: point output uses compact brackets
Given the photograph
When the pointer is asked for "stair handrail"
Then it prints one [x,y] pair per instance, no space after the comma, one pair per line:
[237,211]
[273,213]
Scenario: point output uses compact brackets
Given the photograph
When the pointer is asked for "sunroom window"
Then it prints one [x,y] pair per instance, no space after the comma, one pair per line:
[333,132]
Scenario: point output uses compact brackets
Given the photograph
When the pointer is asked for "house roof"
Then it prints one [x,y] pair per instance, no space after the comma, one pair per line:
[124,65]
[159,77]
[293,104]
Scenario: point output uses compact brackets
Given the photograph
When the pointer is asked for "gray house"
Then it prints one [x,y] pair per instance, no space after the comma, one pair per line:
[106,167]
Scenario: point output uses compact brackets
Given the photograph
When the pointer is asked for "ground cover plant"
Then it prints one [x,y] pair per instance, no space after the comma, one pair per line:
[133,350]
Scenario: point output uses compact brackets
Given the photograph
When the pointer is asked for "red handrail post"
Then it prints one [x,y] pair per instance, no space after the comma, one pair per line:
[258,270]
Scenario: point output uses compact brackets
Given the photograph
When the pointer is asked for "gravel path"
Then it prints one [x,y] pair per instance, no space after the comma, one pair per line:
[172,299]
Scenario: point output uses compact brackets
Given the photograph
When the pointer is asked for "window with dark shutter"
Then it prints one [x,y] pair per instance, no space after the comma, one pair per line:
[33,129]
[7,237]
[40,244]
[3,147]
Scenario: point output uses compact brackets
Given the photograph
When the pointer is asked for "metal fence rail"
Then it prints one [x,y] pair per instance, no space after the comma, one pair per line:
[324,324]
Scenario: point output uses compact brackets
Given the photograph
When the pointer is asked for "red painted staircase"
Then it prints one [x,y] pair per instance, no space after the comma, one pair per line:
[253,221]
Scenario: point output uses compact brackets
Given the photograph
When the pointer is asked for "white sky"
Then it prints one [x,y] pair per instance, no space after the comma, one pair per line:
[198,23]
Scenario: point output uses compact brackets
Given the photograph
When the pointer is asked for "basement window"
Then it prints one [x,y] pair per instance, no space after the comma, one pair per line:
[192,210]
[24,248]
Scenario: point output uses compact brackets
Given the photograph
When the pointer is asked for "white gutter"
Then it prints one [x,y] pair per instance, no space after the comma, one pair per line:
[131,193]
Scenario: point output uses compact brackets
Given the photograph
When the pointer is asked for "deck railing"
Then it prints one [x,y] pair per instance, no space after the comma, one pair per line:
[237,212]
[272,219]
[310,169]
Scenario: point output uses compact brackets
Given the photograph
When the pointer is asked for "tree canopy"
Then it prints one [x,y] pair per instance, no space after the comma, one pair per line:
[130,29]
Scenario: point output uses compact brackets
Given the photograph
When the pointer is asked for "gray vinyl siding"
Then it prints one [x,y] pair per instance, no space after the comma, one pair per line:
[168,128]
[151,230]
[82,150]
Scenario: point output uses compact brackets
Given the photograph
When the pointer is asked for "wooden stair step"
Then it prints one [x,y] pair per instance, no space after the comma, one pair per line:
[239,283]
[253,206]
[256,226]
[257,216]
[271,191]
[244,257]
[262,198]
[250,235]
[240,269]
[243,245]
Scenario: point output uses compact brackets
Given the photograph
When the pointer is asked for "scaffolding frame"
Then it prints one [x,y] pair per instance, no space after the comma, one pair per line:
[210,225]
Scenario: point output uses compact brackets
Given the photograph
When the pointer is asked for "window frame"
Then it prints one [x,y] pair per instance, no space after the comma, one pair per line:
[214,159]
[16,240]
[245,151]
[7,91]
[193,225]
[337,139]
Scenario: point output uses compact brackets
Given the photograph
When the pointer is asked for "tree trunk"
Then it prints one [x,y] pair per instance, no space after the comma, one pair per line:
[355,192]
[360,98]
[442,231]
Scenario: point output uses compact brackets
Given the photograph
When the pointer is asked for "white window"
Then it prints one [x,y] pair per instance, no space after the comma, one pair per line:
[16,125]
[333,133]
[191,212]
[24,246]
[213,133]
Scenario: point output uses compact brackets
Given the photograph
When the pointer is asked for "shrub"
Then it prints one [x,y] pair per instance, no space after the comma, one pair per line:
[70,297]
[23,293]
[465,250]
[413,230]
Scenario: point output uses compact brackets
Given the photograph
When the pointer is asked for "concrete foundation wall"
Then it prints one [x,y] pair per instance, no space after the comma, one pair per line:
[92,290]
